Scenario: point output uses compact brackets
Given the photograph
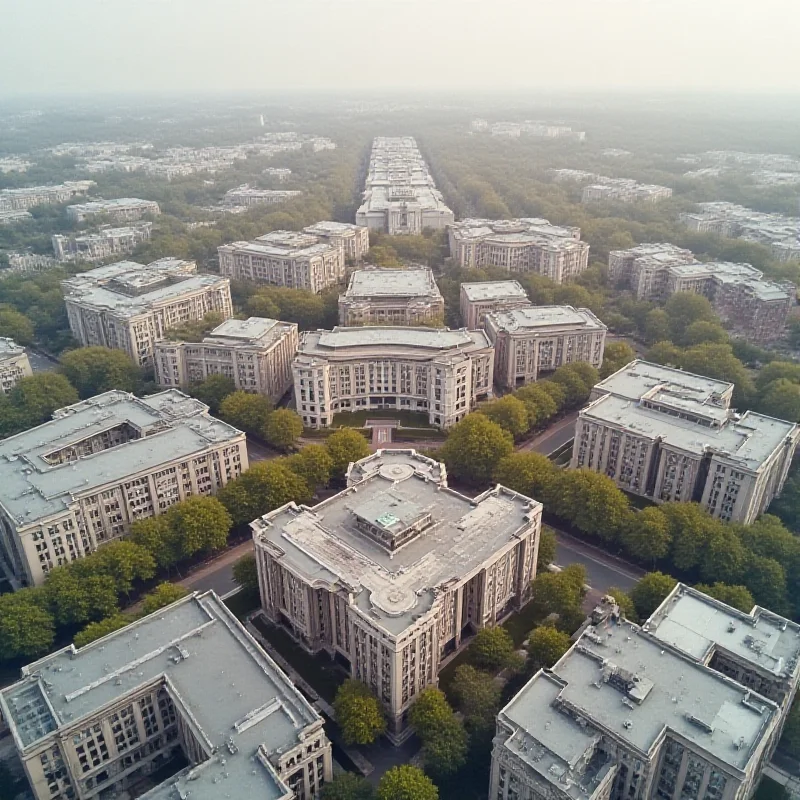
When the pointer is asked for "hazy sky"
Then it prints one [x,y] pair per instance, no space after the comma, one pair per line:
[221,45]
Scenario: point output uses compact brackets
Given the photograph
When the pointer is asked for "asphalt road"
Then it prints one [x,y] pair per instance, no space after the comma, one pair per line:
[602,570]
[554,437]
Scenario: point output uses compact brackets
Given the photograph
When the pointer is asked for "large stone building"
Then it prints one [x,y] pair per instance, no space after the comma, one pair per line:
[442,373]
[389,575]
[750,306]
[479,299]
[601,187]
[121,209]
[181,703]
[400,195]
[14,364]
[519,245]
[129,306]
[535,339]
[256,354]
[392,297]
[23,199]
[669,435]
[690,705]
[248,196]
[80,480]
[354,239]
[296,260]
[105,243]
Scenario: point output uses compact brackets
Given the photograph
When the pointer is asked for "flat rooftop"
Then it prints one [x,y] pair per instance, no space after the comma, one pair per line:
[328,228]
[532,318]
[8,347]
[242,706]
[99,206]
[390,460]
[494,290]
[527,230]
[172,426]
[396,283]
[392,588]
[253,331]
[697,625]
[283,244]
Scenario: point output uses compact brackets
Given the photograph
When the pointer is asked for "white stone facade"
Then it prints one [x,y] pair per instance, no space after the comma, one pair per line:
[14,364]
[354,239]
[101,244]
[476,300]
[23,199]
[121,209]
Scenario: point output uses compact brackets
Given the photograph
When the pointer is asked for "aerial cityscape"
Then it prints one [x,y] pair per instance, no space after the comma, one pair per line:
[389,418]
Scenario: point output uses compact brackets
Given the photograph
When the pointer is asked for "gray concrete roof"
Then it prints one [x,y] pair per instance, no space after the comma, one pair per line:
[397,459]
[283,244]
[228,690]
[494,290]
[526,230]
[103,206]
[34,490]
[250,332]
[531,318]
[8,347]
[399,283]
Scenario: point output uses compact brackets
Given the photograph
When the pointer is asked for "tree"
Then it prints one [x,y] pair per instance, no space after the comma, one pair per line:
[313,463]
[646,535]
[283,428]
[246,411]
[245,573]
[406,782]
[163,595]
[684,308]
[718,361]
[766,579]
[16,326]
[775,370]
[477,696]
[547,549]
[509,413]
[705,331]
[539,403]
[724,558]
[557,392]
[528,473]
[265,486]
[623,600]
[445,748]
[96,630]
[27,629]
[358,713]
[781,399]
[493,648]
[212,391]
[428,711]
[591,501]
[93,370]
[348,786]
[650,591]
[159,538]
[615,356]
[546,645]
[575,383]
[656,326]
[666,353]
[736,596]
[124,562]
[38,396]
[691,527]
[73,599]
[344,447]
[474,447]
[202,524]
[560,593]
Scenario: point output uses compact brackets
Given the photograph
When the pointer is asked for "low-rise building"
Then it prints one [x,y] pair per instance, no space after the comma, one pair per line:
[665,711]
[669,435]
[392,297]
[121,209]
[624,190]
[9,216]
[439,372]
[281,174]
[129,306]
[256,354]
[186,685]
[643,267]
[354,239]
[105,243]
[390,575]
[30,262]
[479,299]
[519,245]
[23,199]
[79,481]
[535,339]
[296,260]
[14,364]
[248,196]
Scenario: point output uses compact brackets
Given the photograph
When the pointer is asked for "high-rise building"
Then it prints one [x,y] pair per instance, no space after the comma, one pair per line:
[79,481]
[23,199]
[390,574]
[181,703]
[105,243]
[248,196]
[354,239]
[479,299]
[14,364]
[256,354]
[129,306]
[121,209]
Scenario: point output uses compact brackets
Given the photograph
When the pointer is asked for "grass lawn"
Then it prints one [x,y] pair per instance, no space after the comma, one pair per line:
[356,419]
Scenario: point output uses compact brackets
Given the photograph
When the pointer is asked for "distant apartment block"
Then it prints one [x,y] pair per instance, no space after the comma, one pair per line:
[248,196]
[281,174]
[79,481]
[14,364]
[105,243]
[181,703]
[353,239]
[778,232]
[689,705]
[8,216]
[23,199]
[400,195]
[392,297]
[30,262]
[479,299]
[669,435]
[535,339]
[14,164]
[121,209]
[256,354]
[391,575]
[601,187]
[479,125]
[545,130]
[130,307]
[439,372]
[750,306]
[519,245]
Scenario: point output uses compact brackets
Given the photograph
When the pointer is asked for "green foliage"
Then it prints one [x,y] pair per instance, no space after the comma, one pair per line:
[781,399]
[345,446]
[283,428]
[15,326]
[348,786]
[474,447]
[736,596]
[308,310]
[74,599]
[245,572]
[528,473]
[656,326]
[444,740]
[159,538]
[123,561]
[195,330]
[493,648]
[163,595]
[547,549]
[650,591]
[246,411]
[624,602]
[705,331]
[93,370]
[314,464]
[358,713]
[539,403]
[201,524]
[212,391]
[96,630]
[560,594]
[577,384]
[615,356]
[27,628]
[428,711]
[647,535]
[546,645]
[477,696]
[509,413]
[38,396]
[684,309]
[406,782]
